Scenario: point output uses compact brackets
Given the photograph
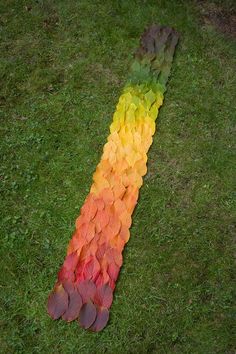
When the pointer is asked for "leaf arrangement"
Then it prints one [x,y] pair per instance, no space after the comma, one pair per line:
[87,278]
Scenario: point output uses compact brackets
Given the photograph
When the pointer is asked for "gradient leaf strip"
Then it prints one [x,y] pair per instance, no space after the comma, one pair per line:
[87,278]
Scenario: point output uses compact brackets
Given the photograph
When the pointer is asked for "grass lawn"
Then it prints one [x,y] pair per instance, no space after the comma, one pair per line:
[62,68]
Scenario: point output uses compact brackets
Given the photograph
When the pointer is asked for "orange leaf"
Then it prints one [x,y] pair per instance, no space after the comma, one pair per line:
[102,219]
[125,219]
[89,209]
[88,231]
[107,195]
[124,233]
[119,191]
[119,206]
[114,224]
[100,204]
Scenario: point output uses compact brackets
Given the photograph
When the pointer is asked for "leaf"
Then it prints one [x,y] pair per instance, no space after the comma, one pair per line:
[89,209]
[102,219]
[57,302]
[101,320]
[107,195]
[113,271]
[124,233]
[104,296]
[125,219]
[75,304]
[87,290]
[114,224]
[68,286]
[71,261]
[64,274]
[100,181]
[100,251]
[88,231]
[108,233]
[76,243]
[118,191]
[150,97]
[119,206]
[91,269]
[87,315]
[100,204]
[136,66]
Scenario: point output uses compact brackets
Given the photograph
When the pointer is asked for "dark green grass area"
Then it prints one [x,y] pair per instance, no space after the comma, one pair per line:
[62,68]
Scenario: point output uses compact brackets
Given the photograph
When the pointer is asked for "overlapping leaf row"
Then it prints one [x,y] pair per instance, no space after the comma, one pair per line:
[86,280]
[94,258]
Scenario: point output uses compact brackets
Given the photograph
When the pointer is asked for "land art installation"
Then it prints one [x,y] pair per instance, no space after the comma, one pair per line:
[87,278]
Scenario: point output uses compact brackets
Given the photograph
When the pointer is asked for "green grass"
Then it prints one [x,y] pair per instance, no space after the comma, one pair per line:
[63,65]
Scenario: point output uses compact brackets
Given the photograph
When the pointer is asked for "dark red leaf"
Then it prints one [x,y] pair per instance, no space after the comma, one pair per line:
[68,286]
[87,315]
[87,290]
[104,296]
[75,304]
[101,320]
[57,302]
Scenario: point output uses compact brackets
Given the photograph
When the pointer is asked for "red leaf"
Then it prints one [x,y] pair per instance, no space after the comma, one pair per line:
[75,304]
[87,315]
[87,290]
[57,302]
[71,261]
[64,274]
[113,271]
[104,296]
[92,267]
[101,320]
